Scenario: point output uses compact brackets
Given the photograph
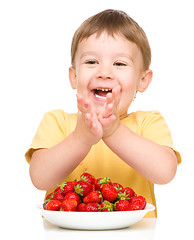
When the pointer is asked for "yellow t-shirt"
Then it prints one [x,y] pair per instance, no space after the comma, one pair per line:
[101,161]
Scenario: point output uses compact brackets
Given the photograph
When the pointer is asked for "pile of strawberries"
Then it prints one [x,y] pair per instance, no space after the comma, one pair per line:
[93,195]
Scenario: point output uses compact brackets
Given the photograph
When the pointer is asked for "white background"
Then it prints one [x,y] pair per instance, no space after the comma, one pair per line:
[35,39]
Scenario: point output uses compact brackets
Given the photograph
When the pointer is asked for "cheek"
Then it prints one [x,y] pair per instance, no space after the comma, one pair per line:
[128,92]
[80,79]
[83,82]
[129,87]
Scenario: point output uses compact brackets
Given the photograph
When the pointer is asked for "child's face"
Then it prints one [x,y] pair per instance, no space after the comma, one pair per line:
[104,63]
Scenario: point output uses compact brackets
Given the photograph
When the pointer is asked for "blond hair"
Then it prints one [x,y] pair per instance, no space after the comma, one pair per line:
[113,22]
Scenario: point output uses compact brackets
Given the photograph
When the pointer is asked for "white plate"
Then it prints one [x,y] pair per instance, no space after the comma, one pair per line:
[95,220]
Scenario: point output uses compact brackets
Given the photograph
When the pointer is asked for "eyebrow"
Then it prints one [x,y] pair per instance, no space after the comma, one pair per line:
[125,55]
[88,53]
[121,54]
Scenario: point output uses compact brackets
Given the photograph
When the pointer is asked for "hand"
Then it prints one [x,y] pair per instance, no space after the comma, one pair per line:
[109,118]
[88,127]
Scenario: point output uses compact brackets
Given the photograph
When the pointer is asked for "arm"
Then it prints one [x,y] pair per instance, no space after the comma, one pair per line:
[51,166]
[156,163]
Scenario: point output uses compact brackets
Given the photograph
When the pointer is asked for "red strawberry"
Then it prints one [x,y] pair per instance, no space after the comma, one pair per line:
[81,207]
[48,198]
[109,192]
[129,191]
[58,190]
[126,193]
[69,205]
[58,196]
[53,205]
[122,205]
[67,187]
[92,207]
[106,206]
[117,186]
[74,182]
[82,188]
[88,178]
[122,195]
[72,195]
[100,182]
[93,196]
[137,203]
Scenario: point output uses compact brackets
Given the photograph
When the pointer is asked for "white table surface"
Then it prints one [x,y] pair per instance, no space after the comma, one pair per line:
[30,225]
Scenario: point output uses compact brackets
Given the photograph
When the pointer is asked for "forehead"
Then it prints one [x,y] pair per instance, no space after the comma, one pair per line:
[116,41]
[108,44]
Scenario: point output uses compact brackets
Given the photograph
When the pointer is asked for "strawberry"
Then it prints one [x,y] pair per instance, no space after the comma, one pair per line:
[48,198]
[73,195]
[117,186]
[74,182]
[122,195]
[106,206]
[58,196]
[93,187]
[69,205]
[129,191]
[100,182]
[122,205]
[82,188]
[58,190]
[53,205]
[126,193]
[81,207]
[137,203]
[92,207]
[88,178]
[67,187]
[93,196]
[109,192]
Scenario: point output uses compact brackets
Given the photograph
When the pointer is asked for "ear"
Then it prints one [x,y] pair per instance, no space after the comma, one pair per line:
[72,77]
[145,80]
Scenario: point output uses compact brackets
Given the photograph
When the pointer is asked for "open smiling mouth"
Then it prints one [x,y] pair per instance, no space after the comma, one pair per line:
[101,93]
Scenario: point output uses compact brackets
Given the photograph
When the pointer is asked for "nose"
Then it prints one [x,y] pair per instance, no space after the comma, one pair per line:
[105,72]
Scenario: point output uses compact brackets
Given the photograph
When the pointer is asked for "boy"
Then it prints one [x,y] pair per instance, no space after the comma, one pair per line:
[110,63]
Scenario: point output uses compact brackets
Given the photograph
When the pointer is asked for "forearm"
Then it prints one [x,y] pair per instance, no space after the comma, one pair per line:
[155,162]
[49,167]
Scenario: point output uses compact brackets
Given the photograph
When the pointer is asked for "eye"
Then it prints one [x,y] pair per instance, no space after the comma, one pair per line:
[91,62]
[120,64]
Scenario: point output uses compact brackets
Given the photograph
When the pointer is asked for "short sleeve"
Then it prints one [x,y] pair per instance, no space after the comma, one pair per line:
[50,132]
[154,127]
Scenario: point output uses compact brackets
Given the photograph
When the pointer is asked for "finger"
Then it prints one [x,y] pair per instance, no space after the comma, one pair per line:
[112,101]
[108,110]
[109,98]
[116,90]
[88,119]
[94,127]
[108,105]
[84,105]
[91,121]
[79,102]
[116,94]
[114,97]
[108,120]
[87,104]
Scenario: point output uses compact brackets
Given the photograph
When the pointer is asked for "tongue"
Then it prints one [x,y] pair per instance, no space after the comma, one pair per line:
[101,93]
